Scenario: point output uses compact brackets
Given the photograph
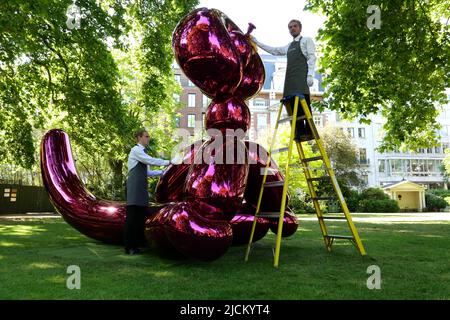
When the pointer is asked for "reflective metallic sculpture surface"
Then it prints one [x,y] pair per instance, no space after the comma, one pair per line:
[210,198]
[99,219]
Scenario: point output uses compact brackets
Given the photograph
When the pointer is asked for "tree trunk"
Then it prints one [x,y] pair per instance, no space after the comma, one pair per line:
[119,188]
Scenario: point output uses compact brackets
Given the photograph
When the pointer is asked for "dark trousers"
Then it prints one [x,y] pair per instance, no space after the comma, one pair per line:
[303,131]
[134,227]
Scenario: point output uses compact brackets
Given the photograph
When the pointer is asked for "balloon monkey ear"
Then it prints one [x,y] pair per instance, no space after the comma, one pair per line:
[206,54]
[250,28]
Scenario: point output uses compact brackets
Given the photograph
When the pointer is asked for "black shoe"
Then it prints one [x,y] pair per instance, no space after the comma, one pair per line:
[133,251]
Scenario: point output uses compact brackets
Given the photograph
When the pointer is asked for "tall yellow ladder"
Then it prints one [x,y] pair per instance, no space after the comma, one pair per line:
[328,238]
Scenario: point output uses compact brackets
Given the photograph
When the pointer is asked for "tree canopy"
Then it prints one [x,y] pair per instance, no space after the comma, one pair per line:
[99,80]
[400,68]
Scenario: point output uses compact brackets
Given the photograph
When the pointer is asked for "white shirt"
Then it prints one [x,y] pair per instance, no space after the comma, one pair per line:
[137,154]
[306,45]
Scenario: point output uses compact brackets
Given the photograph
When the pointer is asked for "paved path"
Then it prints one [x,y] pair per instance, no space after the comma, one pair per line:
[357,217]
[31,215]
[392,217]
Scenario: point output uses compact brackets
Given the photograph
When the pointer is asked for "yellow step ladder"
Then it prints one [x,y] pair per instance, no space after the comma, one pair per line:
[328,238]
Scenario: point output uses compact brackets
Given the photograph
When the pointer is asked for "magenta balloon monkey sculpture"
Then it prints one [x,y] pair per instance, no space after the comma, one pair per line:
[206,203]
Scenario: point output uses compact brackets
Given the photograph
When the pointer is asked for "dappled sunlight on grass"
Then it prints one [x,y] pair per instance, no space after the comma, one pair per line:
[10,244]
[20,230]
[162,274]
[431,236]
[394,222]
[56,279]
[72,238]
[94,252]
[41,265]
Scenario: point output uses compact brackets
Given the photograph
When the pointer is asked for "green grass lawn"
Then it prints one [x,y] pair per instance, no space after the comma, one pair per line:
[414,259]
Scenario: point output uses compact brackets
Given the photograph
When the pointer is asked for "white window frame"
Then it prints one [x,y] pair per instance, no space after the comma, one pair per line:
[191,120]
[318,121]
[190,100]
[363,131]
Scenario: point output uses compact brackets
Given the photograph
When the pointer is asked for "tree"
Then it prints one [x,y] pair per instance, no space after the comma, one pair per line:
[53,74]
[343,154]
[297,180]
[400,69]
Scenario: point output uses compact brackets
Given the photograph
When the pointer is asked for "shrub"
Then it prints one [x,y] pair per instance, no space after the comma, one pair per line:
[299,205]
[434,202]
[352,199]
[439,192]
[374,194]
[385,205]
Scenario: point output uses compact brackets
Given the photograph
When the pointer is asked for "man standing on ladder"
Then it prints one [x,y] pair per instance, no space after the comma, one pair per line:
[301,61]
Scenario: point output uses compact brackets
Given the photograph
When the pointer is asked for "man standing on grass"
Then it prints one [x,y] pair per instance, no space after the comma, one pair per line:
[301,61]
[137,193]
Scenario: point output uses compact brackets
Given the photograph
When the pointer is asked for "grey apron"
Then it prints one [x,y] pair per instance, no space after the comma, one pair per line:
[294,84]
[137,185]
[296,71]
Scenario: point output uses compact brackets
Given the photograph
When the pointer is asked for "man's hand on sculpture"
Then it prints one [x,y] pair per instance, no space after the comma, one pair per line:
[178,159]
[310,81]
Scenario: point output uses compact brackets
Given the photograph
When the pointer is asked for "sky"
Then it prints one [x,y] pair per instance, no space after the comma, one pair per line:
[270,17]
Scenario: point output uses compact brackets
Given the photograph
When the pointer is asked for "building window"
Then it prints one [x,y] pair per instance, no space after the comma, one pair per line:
[407,165]
[431,166]
[366,179]
[362,156]
[177,121]
[191,100]
[418,167]
[259,102]
[272,95]
[318,121]
[381,166]
[351,132]
[176,97]
[429,150]
[437,150]
[261,121]
[191,121]
[362,133]
[178,78]
[190,84]
[206,101]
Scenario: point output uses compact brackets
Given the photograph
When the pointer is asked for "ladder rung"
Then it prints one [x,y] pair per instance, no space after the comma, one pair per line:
[332,218]
[319,178]
[280,150]
[340,237]
[312,159]
[290,119]
[301,166]
[324,198]
[269,214]
[274,184]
